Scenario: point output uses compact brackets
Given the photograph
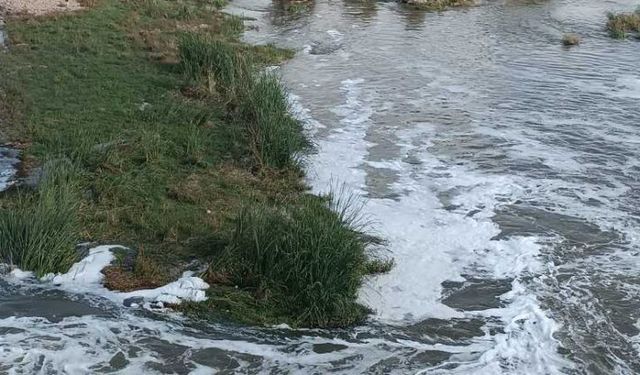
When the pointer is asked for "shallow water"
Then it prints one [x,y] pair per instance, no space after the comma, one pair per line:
[502,168]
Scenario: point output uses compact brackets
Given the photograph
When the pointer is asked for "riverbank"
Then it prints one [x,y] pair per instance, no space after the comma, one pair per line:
[150,125]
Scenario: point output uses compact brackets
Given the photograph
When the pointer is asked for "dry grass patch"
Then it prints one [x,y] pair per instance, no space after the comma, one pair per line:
[623,24]
[146,274]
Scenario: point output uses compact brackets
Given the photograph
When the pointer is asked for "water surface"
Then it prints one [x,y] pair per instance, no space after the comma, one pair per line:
[502,168]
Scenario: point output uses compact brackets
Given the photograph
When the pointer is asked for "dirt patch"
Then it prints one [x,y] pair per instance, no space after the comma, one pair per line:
[37,7]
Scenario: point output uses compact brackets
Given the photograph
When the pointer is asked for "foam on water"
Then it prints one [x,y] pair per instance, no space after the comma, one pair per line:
[431,245]
[485,151]
[85,276]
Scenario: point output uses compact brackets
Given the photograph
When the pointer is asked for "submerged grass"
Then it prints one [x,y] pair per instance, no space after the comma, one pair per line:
[40,229]
[623,24]
[182,146]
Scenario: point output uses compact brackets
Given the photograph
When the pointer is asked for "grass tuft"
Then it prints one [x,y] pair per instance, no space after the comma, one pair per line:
[40,232]
[435,5]
[214,62]
[378,266]
[622,24]
[306,257]
[275,137]
[571,40]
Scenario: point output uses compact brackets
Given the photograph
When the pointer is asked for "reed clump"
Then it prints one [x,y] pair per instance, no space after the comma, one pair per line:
[307,258]
[40,230]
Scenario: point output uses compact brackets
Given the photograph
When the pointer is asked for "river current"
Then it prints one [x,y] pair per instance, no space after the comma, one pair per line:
[501,168]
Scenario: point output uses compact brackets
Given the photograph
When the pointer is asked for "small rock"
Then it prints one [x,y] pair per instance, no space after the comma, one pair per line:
[195,266]
[131,301]
[118,361]
[82,249]
[156,305]
[5,268]
[125,258]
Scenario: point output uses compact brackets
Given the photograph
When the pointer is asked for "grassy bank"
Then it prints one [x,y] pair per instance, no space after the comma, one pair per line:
[181,147]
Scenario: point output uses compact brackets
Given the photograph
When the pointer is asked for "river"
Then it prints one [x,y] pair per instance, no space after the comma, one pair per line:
[502,169]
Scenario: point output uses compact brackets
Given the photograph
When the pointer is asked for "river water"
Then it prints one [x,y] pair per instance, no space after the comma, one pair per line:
[502,168]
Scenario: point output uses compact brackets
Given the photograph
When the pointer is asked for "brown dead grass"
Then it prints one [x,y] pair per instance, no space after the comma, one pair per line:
[146,274]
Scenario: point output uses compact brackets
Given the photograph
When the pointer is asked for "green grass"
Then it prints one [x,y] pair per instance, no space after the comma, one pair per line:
[40,230]
[275,137]
[257,100]
[174,138]
[309,259]
[623,24]
[216,63]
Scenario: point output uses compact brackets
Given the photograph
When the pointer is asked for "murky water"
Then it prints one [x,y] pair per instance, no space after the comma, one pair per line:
[502,168]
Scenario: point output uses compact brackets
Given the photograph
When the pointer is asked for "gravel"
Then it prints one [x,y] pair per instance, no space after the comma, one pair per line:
[37,7]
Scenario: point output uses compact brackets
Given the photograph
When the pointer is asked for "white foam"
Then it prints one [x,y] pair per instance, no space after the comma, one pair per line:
[431,245]
[18,274]
[87,271]
[86,276]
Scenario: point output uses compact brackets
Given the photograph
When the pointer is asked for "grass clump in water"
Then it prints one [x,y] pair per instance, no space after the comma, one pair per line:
[434,5]
[305,258]
[622,24]
[40,231]
[571,40]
